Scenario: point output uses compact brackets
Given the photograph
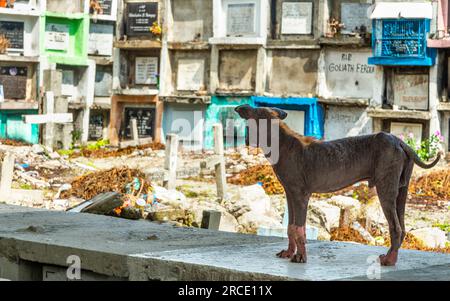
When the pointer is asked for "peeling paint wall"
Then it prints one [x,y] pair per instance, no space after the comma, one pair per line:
[192,20]
[341,122]
[293,72]
[237,70]
[66,7]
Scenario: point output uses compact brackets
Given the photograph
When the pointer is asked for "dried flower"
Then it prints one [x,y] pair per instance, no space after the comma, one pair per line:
[156,29]
[4,44]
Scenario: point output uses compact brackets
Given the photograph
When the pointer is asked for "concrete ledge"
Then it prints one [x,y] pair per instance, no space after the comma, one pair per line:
[19,105]
[138,44]
[310,43]
[143,250]
[399,114]
[345,40]
[444,106]
[347,102]
[186,99]
[189,45]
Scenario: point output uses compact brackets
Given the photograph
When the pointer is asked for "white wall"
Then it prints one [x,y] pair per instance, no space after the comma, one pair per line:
[347,74]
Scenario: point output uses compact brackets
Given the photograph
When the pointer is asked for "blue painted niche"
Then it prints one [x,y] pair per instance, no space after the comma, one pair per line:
[401,42]
[220,110]
[12,126]
[314,113]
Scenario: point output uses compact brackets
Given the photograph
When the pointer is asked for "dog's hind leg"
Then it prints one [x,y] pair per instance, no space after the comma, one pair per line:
[300,205]
[388,193]
[402,196]
[290,230]
[401,205]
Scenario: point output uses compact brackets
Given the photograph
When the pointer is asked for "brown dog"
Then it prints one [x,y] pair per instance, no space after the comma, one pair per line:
[307,166]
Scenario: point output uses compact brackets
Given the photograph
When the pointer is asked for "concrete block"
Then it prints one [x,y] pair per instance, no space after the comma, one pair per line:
[55,273]
[20,270]
[134,131]
[211,219]
[7,174]
[67,136]
[53,81]
[61,105]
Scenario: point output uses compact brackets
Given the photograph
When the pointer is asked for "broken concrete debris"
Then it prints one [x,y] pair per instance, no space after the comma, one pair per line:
[113,180]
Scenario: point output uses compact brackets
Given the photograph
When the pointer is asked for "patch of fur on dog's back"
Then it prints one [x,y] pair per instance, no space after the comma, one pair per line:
[304,140]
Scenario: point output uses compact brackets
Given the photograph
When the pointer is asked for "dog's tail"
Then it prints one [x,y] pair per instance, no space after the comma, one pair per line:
[412,154]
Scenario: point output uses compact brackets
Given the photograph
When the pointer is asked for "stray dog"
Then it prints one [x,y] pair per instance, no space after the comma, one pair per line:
[307,166]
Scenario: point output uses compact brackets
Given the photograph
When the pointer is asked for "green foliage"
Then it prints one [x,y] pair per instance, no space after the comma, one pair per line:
[66,152]
[76,136]
[25,186]
[427,149]
[443,227]
[97,145]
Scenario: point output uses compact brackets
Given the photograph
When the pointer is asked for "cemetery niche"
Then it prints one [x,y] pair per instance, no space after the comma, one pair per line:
[401,42]
[297,18]
[140,17]
[145,118]
[14,32]
[14,82]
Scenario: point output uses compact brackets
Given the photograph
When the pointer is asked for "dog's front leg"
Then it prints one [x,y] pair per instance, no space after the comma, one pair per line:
[290,230]
[299,228]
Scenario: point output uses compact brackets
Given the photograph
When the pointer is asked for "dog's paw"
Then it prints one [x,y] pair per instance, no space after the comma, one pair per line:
[285,254]
[299,258]
[387,261]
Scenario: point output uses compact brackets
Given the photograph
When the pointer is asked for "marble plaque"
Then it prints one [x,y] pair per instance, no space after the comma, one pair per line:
[101,38]
[241,19]
[411,91]
[354,15]
[297,18]
[57,37]
[14,32]
[190,75]
[146,70]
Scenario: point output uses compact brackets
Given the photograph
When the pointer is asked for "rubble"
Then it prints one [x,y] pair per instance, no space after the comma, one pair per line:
[373,216]
[252,221]
[38,149]
[104,203]
[324,214]
[259,174]
[13,142]
[111,152]
[114,180]
[431,237]
[431,189]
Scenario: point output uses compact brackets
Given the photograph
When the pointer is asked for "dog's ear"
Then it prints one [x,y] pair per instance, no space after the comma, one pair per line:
[245,111]
[280,113]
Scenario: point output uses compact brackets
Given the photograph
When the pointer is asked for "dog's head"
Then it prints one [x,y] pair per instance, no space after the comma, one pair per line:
[247,112]
[256,115]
